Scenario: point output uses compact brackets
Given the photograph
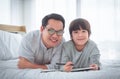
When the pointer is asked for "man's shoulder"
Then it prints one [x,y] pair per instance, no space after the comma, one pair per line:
[32,36]
[32,33]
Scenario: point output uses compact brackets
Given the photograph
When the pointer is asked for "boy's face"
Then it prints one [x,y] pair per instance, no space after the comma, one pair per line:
[50,35]
[80,37]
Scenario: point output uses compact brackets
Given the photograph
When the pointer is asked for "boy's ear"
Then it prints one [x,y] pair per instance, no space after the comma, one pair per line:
[41,28]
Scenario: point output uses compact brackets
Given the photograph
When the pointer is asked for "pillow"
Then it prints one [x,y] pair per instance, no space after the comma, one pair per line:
[4,51]
[9,44]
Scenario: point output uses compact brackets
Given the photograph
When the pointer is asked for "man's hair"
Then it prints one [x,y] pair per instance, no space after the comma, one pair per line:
[52,16]
[79,24]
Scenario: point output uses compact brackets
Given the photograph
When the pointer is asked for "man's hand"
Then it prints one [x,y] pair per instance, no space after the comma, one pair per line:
[24,63]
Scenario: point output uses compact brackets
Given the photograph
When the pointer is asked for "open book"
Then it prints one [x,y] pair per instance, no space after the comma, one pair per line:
[73,70]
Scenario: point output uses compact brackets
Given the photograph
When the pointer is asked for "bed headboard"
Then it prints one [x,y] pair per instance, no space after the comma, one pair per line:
[13,28]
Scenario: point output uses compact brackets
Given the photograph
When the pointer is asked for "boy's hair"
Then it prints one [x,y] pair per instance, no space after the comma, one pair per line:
[79,24]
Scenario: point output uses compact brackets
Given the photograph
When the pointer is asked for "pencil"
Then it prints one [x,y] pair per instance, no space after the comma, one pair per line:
[63,64]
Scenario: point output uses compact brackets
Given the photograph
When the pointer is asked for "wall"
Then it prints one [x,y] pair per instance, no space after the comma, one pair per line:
[5,12]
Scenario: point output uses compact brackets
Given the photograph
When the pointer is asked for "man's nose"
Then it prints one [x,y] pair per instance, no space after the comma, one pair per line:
[55,34]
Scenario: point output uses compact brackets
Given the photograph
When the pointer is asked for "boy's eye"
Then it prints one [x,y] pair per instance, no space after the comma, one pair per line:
[84,31]
[75,31]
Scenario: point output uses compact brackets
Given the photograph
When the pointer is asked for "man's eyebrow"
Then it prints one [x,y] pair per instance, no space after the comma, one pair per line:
[56,30]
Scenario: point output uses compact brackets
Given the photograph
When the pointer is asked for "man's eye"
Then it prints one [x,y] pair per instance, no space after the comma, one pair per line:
[51,31]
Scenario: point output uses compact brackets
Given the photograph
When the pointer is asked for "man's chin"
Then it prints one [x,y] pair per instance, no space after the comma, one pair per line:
[54,44]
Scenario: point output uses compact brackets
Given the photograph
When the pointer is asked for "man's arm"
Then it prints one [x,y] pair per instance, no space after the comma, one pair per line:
[26,51]
[24,63]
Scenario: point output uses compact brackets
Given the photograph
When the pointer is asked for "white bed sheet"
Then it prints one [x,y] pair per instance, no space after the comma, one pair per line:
[9,70]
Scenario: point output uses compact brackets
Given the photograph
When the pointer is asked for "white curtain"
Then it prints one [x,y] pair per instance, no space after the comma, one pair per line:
[67,8]
[104,17]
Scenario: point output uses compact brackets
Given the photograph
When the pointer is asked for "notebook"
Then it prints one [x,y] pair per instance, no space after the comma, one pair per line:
[73,70]
[81,69]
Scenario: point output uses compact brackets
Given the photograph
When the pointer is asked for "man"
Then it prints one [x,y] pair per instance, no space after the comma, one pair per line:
[42,49]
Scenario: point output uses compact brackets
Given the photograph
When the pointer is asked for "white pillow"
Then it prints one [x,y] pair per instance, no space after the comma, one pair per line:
[5,53]
[9,44]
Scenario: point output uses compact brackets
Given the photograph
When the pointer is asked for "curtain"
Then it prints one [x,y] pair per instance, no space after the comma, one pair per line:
[104,17]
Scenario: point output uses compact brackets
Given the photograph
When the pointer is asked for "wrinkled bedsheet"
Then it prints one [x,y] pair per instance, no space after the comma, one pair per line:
[9,70]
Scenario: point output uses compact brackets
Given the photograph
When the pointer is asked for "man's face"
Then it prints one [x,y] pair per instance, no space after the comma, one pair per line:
[52,33]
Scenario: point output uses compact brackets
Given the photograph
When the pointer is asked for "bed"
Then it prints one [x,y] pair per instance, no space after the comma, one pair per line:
[9,43]
[13,28]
